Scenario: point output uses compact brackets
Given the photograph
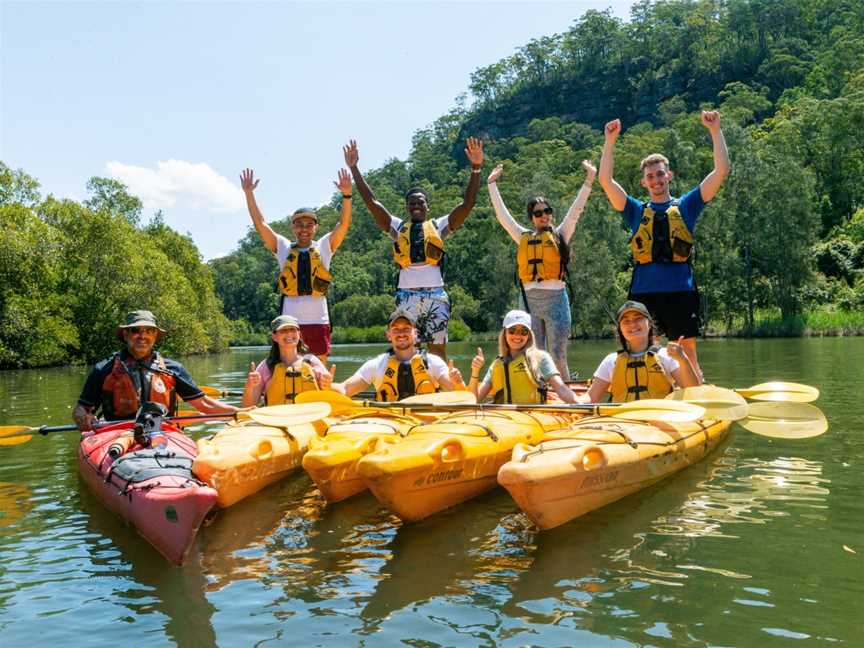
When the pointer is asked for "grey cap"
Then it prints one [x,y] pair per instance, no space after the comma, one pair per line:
[630,305]
[282,321]
[139,318]
[402,314]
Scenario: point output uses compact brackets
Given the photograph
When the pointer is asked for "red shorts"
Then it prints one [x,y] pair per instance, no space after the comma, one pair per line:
[316,337]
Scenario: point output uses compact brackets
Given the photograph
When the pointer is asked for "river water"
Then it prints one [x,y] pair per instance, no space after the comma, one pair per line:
[762,543]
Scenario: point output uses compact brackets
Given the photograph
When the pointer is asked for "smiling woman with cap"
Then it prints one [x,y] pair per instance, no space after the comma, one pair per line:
[639,370]
[521,373]
[289,368]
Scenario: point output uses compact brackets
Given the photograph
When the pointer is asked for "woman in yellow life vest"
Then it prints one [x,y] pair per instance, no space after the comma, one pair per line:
[640,370]
[542,256]
[521,373]
[289,368]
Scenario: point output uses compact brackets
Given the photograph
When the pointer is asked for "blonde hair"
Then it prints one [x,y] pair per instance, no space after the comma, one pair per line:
[654,158]
[532,354]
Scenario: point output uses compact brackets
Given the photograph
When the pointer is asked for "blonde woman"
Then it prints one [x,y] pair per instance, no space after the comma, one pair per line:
[521,373]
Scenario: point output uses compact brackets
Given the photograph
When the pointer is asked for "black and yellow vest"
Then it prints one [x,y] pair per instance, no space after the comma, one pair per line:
[662,237]
[539,257]
[405,379]
[285,384]
[638,378]
[416,244]
[304,274]
[513,382]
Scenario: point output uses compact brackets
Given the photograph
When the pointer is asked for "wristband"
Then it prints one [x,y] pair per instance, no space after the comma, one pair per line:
[477,377]
[348,197]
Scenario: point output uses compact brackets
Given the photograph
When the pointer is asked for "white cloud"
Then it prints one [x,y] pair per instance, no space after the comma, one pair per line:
[179,183]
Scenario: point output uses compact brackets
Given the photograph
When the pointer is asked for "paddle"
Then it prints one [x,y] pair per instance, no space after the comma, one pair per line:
[342,404]
[781,391]
[785,420]
[720,404]
[275,416]
[218,393]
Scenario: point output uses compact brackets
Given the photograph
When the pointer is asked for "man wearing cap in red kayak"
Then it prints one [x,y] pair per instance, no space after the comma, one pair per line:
[304,265]
[119,384]
[402,371]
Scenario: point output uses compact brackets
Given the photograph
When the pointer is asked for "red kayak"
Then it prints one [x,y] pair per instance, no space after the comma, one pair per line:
[149,485]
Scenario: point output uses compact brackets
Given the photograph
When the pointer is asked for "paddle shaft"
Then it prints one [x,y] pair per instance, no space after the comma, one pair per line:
[598,409]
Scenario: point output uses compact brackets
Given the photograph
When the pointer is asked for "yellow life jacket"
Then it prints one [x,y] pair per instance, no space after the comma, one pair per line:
[320,276]
[431,244]
[539,257]
[286,383]
[418,381]
[638,378]
[662,239]
[513,382]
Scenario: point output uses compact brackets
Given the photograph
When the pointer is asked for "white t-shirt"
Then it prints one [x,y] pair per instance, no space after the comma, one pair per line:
[372,371]
[306,308]
[564,230]
[421,275]
[605,370]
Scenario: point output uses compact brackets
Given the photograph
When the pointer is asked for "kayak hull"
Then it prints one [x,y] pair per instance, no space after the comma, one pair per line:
[243,458]
[599,461]
[451,460]
[333,458]
[167,510]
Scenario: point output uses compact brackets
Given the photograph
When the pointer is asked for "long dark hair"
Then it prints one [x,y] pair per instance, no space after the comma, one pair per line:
[274,357]
[563,248]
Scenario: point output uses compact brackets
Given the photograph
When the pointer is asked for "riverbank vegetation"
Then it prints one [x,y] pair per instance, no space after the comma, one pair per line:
[779,251]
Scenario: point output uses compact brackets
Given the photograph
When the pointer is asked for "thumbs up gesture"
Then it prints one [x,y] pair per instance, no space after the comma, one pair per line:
[675,349]
[477,363]
[325,378]
[455,374]
[254,378]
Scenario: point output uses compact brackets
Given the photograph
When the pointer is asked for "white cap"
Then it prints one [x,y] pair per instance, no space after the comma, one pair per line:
[516,317]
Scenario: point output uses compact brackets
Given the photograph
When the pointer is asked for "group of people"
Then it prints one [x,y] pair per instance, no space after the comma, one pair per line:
[532,346]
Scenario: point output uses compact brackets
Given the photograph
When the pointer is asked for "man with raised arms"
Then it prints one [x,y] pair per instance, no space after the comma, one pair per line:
[418,247]
[662,234]
[304,265]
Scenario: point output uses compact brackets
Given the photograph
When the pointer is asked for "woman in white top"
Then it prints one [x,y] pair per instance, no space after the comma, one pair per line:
[542,258]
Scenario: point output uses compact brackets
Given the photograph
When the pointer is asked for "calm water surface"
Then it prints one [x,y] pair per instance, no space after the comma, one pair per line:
[760,544]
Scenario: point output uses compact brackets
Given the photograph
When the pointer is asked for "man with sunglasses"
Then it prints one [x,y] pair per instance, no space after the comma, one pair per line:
[662,234]
[304,266]
[117,386]
[418,247]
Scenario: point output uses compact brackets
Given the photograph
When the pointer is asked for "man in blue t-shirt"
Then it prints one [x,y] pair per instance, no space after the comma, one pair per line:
[662,234]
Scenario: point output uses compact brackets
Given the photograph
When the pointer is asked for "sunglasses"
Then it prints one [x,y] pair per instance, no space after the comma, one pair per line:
[537,213]
[518,330]
[142,330]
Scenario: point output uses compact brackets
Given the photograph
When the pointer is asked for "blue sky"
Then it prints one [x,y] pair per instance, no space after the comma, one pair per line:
[174,99]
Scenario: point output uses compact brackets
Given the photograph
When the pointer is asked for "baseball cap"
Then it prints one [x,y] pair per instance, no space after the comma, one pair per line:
[517,317]
[284,321]
[639,307]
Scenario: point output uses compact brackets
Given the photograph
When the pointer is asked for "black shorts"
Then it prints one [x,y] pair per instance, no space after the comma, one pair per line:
[675,313]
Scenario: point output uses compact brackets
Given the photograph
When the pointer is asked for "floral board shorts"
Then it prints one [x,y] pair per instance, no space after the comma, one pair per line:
[431,310]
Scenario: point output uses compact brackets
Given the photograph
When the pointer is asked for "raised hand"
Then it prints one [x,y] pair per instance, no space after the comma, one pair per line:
[343,182]
[590,169]
[496,173]
[612,129]
[254,378]
[325,378]
[675,349]
[474,151]
[247,180]
[477,362]
[455,374]
[352,155]
[711,120]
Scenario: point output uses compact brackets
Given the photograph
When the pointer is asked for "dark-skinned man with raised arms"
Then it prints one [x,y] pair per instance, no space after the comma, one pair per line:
[418,247]
[118,385]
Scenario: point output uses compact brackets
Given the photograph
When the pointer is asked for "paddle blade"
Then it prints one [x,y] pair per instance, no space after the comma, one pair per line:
[339,403]
[6,440]
[14,430]
[720,404]
[655,410]
[785,420]
[211,391]
[285,415]
[781,391]
[442,398]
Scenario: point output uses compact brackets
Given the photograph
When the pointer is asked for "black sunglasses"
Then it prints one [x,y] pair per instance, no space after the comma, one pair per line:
[537,213]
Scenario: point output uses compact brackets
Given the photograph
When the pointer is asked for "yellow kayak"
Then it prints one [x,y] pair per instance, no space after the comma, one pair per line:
[332,458]
[244,457]
[445,462]
[600,460]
